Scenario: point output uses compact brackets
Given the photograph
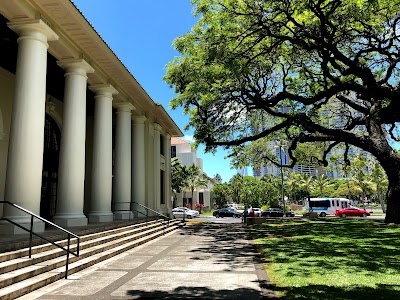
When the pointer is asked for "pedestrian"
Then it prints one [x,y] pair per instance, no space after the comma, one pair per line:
[245,214]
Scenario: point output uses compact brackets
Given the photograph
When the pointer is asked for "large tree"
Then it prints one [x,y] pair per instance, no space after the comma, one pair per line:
[302,71]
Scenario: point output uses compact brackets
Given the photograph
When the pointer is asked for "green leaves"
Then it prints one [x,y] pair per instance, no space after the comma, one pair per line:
[302,71]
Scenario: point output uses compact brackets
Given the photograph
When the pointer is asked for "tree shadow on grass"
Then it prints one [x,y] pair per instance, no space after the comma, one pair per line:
[364,245]
[199,293]
[323,292]
[312,292]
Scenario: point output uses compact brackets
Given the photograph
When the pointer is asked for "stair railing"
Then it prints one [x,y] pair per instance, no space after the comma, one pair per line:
[154,211]
[146,214]
[31,233]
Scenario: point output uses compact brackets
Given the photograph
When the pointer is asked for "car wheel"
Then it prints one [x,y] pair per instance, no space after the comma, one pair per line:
[322,214]
[364,215]
[343,215]
[217,215]
[268,215]
[189,216]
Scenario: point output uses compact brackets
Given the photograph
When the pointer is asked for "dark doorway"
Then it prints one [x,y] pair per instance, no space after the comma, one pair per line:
[51,152]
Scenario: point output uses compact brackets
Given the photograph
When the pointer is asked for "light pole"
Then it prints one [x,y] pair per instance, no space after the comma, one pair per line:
[283,190]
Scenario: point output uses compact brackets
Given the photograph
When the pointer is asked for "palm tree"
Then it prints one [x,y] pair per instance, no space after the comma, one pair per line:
[195,179]
[236,183]
[364,183]
[306,182]
[293,184]
[178,176]
[218,178]
[379,178]
[320,183]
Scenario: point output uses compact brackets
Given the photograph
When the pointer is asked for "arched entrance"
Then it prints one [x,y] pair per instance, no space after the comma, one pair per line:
[51,152]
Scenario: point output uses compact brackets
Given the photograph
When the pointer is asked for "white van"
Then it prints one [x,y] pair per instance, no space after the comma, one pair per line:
[326,206]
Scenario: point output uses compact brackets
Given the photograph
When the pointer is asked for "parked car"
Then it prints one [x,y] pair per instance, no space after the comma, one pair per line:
[257,211]
[352,212]
[227,212]
[273,212]
[179,212]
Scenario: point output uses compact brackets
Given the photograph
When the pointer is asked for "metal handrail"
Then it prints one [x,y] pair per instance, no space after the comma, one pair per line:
[154,211]
[31,233]
[165,217]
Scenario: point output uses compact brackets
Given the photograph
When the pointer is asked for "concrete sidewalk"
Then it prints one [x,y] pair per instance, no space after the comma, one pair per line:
[202,261]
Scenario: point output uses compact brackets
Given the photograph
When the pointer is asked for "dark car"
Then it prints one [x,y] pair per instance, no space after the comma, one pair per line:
[227,212]
[276,212]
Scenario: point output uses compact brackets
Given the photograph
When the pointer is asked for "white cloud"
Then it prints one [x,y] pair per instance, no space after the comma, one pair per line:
[189,138]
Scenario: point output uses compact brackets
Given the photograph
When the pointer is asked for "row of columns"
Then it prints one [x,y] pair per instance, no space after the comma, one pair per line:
[25,156]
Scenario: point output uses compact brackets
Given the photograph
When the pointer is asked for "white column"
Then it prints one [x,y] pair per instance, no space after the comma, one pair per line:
[101,190]
[167,182]
[71,170]
[157,165]
[25,148]
[138,164]
[123,165]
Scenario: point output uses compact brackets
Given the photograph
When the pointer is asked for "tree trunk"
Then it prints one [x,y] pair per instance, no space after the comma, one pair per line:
[380,196]
[382,205]
[363,200]
[393,201]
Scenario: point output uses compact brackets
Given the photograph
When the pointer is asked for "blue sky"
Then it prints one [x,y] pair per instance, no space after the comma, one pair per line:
[141,34]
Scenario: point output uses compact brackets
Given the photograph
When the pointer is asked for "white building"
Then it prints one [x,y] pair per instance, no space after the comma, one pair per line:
[80,139]
[188,156]
[242,171]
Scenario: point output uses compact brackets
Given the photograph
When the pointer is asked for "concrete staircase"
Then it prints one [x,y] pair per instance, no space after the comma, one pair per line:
[20,274]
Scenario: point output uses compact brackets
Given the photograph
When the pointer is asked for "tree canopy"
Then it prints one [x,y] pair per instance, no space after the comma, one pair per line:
[302,71]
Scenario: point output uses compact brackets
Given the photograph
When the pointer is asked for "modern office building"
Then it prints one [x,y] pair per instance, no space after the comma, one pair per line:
[242,171]
[80,139]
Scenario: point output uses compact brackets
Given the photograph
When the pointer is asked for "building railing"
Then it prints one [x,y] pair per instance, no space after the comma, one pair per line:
[146,214]
[31,233]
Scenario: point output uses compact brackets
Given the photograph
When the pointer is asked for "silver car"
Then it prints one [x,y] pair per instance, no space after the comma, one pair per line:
[180,212]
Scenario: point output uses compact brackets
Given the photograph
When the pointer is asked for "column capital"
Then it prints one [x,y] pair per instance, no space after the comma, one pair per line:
[127,107]
[139,119]
[103,90]
[29,28]
[157,127]
[75,65]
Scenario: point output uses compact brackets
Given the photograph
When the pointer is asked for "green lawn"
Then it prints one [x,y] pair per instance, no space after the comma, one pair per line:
[331,259]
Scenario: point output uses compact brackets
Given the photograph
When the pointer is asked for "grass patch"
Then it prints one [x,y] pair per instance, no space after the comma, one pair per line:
[332,259]
[206,213]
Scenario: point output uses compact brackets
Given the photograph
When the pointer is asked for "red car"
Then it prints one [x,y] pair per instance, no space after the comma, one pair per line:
[352,212]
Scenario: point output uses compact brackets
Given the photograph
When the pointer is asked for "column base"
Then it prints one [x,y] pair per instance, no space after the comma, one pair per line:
[9,228]
[70,220]
[123,215]
[101,217]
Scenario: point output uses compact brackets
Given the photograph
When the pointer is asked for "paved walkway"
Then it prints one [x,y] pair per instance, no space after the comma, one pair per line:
[201,261]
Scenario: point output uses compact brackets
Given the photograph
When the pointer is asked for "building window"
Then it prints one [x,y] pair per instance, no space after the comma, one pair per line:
[162,195]
[201,198]
[161,144]
[173,151]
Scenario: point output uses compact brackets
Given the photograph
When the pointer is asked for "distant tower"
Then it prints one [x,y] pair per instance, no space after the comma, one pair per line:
[242,171]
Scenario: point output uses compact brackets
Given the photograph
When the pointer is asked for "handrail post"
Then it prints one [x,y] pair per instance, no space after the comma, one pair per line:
[66,263]
[30,238]
[31,233]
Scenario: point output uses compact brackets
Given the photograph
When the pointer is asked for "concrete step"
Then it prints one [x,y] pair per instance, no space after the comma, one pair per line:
[22,268]
[4,257]
[19,259]
[48,266]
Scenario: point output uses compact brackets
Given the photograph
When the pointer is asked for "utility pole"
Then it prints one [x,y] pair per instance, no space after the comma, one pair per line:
[283,190]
